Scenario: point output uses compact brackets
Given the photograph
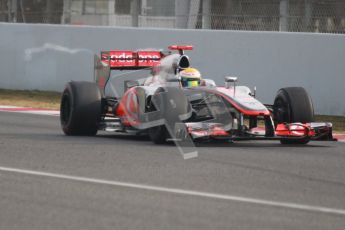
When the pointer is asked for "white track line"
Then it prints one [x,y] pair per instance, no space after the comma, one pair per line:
[181,191]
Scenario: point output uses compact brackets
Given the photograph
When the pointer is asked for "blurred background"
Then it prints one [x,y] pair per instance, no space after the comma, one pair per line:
[320,16]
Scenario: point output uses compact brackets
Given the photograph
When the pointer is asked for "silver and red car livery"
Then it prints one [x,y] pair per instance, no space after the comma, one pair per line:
[158,106]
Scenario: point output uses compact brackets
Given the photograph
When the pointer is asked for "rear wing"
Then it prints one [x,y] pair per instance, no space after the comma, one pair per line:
[131,60]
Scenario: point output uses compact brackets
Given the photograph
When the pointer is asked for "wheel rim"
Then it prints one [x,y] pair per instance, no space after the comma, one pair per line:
[281,111]
[65,109]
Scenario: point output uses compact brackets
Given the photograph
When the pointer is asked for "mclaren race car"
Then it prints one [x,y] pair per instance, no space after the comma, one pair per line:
[165,106]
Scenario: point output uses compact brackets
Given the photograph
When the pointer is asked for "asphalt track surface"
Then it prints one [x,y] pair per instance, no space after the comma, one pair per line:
[51,181]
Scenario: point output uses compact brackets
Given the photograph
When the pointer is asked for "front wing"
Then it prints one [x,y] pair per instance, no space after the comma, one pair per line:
[204,130]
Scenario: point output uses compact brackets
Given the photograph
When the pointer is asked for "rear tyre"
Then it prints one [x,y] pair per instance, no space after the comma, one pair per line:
[158,134]
[80,108]
[173,106]
[293,104]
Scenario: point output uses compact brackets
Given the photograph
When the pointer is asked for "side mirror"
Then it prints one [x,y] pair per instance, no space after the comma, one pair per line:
[230,79]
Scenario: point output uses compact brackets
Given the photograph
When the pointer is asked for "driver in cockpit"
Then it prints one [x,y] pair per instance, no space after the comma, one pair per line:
[189,77]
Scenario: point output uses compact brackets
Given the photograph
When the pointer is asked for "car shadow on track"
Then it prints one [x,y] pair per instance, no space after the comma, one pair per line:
[225,144]
[252,144]
[124,137]
[144,139]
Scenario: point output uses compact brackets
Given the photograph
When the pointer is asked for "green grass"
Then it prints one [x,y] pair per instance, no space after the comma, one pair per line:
[30,98]
[51,100]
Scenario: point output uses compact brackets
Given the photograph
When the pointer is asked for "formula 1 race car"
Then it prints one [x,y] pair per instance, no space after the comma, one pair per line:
[163,107]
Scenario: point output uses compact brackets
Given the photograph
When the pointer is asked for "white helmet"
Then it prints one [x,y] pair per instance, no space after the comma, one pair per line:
[190,77]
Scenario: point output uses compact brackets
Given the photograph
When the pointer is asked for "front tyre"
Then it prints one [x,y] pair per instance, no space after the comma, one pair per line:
[80,109]
[292,105]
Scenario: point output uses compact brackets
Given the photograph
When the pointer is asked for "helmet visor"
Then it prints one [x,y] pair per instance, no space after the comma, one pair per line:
[190,82]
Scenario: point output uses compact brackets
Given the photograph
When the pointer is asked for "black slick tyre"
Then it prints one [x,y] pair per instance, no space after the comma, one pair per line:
[158,134]
[80,109]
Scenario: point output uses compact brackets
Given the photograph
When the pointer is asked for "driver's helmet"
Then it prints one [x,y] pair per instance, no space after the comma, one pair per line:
[190,77]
